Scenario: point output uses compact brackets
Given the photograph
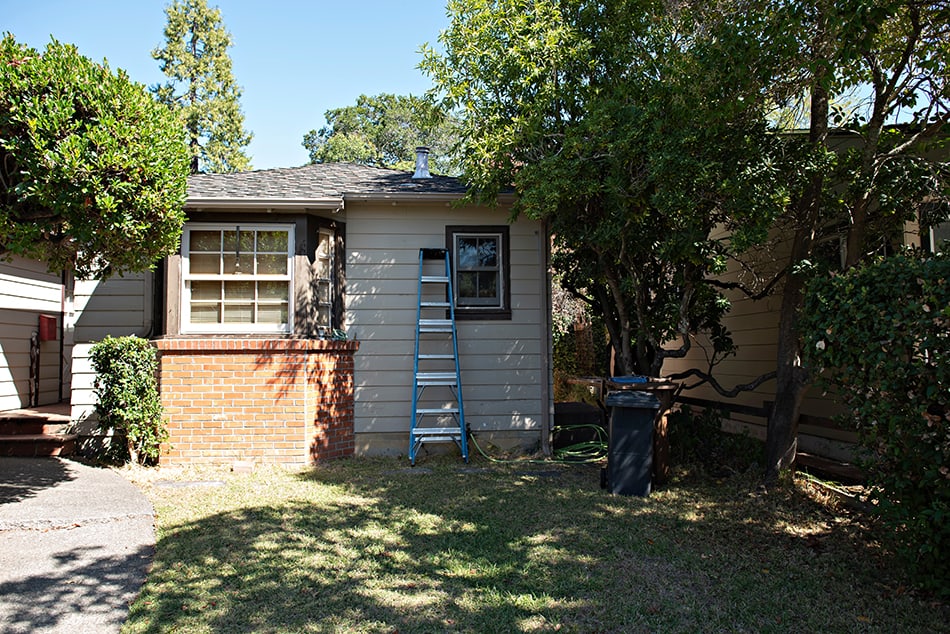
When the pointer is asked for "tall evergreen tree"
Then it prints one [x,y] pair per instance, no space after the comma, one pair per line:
[201,86]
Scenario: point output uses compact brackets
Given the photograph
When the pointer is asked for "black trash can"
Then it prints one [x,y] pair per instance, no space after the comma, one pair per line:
[630,442]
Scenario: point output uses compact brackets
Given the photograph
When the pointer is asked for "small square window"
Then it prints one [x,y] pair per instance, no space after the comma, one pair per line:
[481,273]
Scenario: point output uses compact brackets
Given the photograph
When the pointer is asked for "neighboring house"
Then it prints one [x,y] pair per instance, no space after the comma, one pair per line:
[32,305]
[754,327]
[247,317]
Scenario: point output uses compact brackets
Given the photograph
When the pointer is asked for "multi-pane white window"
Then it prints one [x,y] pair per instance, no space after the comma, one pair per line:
[478,270]
[237,278]
[324,277]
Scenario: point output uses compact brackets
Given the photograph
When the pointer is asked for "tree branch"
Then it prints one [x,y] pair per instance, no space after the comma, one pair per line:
[738,286]
[708,378]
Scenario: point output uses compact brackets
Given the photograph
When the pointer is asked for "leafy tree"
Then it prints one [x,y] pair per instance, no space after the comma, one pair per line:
[384,131]
[896,50]
[637,128]
[201,88]
[633,128]
[92,170]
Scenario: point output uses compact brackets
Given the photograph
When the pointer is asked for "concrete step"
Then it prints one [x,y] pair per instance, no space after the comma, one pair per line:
[37,432]
[37,445]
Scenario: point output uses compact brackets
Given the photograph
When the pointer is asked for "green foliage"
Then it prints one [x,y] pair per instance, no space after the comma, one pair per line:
[879,335]
[628,128]
[127,391]
[698,442]
[201,87]
[580,345]
[384,131]
[92,170]
[855,177]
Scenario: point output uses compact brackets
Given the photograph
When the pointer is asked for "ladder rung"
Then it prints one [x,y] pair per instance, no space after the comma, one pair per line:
[437,357]
[432,380]
[436,376]
[437,410]
[434,279]
[435,325]
[436,433]
[435,304]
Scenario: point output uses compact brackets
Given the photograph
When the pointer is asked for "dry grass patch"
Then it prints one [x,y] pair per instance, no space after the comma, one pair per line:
[370,546]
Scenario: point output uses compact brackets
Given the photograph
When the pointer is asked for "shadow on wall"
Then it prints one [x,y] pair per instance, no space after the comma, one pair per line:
[16,355]
[117,307]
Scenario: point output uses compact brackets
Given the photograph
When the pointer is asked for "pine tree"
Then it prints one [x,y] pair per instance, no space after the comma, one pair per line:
[201,86]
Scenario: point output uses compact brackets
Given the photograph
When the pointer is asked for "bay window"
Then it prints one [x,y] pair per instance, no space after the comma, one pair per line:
[237,278]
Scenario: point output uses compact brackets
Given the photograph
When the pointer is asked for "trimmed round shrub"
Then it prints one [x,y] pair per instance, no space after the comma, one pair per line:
[127,391]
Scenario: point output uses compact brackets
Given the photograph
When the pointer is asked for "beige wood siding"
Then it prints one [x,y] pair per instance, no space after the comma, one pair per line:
[754,327]
[118,307]
[27,290]
[501,361]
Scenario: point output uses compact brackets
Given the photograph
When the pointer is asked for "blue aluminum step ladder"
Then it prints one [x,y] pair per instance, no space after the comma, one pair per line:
[437,415]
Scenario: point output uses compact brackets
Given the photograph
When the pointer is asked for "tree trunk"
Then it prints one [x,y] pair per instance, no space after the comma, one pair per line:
[791,379]
[781,442]
[857,232]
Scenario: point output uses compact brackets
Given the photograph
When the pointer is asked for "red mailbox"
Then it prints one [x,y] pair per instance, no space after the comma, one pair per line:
[47,328]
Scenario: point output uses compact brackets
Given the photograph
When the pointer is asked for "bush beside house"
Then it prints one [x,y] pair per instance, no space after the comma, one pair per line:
[128,401]
[879,335]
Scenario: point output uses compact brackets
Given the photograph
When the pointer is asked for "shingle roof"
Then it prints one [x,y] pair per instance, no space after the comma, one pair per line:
[325,180]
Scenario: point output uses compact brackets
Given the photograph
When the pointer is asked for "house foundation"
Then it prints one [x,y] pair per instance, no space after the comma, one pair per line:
[257,401]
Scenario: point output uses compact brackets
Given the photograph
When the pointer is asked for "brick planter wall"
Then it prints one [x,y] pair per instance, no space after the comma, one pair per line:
[273,401]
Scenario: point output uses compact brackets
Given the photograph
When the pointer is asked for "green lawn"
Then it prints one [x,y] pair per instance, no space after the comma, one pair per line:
[374,546]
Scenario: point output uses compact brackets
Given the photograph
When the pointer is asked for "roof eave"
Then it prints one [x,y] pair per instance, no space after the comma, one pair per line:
[436,197]
[331,204]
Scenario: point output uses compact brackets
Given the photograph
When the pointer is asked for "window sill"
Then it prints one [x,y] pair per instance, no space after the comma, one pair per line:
[467,314]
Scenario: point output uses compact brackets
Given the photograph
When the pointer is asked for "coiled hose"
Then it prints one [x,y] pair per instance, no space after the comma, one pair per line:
[583,452]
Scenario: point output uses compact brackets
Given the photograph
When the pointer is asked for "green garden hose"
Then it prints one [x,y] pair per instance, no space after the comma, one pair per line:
[583,452]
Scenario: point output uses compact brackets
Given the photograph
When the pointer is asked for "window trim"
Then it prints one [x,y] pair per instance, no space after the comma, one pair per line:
[483,312]
[189,327]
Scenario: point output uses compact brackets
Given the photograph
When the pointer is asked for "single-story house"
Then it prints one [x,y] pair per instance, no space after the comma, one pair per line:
[285,325]
[754,325]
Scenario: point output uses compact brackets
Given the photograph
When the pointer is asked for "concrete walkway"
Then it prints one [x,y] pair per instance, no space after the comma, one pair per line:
[75,545]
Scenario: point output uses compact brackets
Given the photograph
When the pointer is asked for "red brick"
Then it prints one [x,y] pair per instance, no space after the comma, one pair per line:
[224,404]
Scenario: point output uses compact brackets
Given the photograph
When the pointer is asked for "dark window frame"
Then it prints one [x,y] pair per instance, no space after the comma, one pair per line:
[469,313]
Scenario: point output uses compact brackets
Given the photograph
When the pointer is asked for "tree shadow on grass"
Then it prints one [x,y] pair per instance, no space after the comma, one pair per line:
[504,550]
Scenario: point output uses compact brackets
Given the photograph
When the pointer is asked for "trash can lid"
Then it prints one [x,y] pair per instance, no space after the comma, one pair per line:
[629,379]
[632,398]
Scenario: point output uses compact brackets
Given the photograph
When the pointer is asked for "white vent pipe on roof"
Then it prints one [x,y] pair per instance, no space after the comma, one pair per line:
[422,163]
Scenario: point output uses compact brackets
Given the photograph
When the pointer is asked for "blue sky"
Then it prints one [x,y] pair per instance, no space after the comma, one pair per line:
[294,59]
